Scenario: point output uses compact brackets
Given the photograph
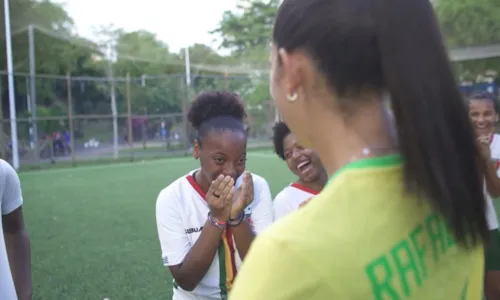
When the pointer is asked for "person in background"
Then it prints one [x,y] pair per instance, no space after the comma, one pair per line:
[67,142]
[403,215]
[304,163]
[483,115]
[208,219]
[15,276]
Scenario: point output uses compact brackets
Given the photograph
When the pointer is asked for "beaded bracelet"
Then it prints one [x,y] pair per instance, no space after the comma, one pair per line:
[214,221]
[237,221]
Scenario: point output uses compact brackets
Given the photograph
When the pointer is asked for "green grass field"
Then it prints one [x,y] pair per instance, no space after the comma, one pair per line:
[93,231]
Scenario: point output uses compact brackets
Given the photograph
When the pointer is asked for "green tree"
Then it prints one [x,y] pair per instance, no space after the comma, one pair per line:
[246,32]
[467,23]
[250,27]
[57,51]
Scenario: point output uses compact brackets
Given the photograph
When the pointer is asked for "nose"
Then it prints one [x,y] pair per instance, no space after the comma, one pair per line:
[296,154]
[230,170]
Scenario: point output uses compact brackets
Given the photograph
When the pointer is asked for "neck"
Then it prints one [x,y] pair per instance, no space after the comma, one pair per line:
[200,180]
[365,129]
[315,185]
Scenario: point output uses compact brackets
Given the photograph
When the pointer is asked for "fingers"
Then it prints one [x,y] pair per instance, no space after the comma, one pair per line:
[230,195]
[214,186]
[220,187]
[225,192]
[484,139]
[247,187]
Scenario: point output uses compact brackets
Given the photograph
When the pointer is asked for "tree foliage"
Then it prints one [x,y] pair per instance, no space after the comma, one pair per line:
[466,23]
[248,28]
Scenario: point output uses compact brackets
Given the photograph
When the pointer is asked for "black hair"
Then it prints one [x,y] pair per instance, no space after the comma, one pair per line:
[216,110]
[395,46]
[483,96]
[280,132]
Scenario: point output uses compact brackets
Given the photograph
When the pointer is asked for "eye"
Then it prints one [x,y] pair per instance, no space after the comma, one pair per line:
[219,160]
[288,154]
[242,160]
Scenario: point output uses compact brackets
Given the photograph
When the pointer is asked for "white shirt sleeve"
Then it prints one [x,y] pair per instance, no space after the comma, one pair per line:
[262,210]
[282,206]
[12,196]
[174,242]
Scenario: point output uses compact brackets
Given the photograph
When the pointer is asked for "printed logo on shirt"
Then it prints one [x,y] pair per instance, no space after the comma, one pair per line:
[193,230]
[165,260]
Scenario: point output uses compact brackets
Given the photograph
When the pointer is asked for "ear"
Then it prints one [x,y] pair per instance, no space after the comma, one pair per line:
[196,149]
[496,117]
[291,65]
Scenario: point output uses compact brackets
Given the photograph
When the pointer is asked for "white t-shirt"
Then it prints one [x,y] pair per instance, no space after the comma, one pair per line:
[10,199]
[181,212]
[491,215]
[290,198]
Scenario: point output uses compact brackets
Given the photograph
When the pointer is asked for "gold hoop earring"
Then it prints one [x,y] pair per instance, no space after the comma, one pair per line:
[292,97]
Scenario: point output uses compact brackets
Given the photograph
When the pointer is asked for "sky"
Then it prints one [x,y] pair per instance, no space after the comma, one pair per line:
[179,23]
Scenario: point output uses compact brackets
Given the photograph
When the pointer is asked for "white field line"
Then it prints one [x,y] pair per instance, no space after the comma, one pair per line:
[127,165]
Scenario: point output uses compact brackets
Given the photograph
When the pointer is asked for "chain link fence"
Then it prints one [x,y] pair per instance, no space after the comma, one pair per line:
[78,119]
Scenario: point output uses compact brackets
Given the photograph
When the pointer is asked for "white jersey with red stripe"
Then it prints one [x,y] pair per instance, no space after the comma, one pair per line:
[181,213]
[290,198]
[495,156]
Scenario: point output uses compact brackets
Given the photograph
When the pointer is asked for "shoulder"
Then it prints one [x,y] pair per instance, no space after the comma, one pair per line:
[259,181]
[10,188]
[282,197]
[170,196]
[495,146]
[7,172]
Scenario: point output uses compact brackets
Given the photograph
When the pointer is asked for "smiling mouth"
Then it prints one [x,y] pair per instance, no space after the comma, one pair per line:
[483,128]
[304,166]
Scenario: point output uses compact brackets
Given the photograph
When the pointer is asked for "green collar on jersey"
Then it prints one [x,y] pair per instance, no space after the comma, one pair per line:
[371,162]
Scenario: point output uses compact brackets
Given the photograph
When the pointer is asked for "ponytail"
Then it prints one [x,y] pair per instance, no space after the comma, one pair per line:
[435,135]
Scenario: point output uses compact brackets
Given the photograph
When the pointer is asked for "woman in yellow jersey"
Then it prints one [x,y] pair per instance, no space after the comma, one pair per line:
[483,115]
[403,214]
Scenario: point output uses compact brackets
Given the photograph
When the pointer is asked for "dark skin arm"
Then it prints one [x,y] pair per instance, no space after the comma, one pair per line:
[196,263]
[243,237]
[490,171]
[243,233]
[18,252]
[492,180]
[198,260]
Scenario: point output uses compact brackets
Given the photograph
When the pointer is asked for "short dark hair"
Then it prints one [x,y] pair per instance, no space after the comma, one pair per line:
[280,132]
[483,96]
[216,110]
[392,45]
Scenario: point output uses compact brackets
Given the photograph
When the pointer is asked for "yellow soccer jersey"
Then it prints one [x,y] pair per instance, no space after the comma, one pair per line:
[361,238]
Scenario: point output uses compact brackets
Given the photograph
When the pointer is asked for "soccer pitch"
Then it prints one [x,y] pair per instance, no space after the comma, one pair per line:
[93,230]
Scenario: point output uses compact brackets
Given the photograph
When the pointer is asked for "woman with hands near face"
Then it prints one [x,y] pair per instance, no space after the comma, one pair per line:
[483,115]
[207,219]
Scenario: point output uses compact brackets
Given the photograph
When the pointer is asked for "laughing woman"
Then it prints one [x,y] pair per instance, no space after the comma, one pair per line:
[483,116]
[304,163]
[208,218]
